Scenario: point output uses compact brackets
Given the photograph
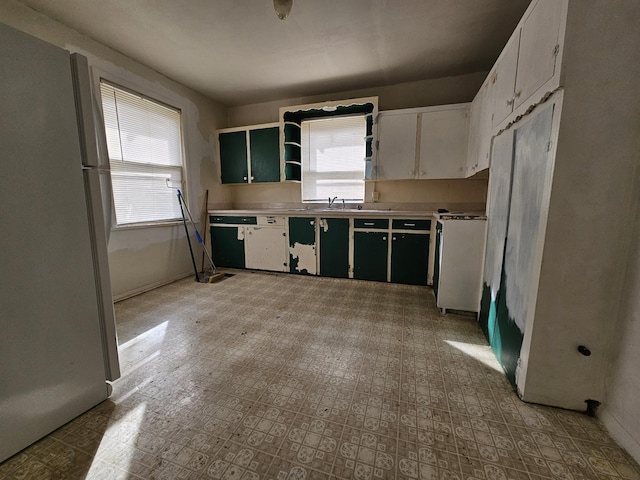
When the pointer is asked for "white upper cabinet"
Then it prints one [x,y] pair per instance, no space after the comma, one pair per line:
[503,79]
[527,70]
[397,137]
[529,63]
[423,143]
[479,147]
[443,142]
[539,49]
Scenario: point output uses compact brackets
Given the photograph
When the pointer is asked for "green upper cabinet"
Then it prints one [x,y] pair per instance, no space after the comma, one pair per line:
[233,157]
[265,154]
[249,154]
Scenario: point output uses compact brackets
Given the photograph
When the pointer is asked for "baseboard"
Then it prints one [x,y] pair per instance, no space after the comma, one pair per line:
[146,288]
[620,434]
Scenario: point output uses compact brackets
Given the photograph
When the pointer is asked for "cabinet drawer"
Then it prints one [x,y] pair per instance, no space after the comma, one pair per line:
[411,225]
[371,223]
[233,220]
[270,220]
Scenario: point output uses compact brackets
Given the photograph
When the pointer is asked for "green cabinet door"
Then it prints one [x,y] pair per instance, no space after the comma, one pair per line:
[436,264]
[265,154]
[233,157]
[334,247]
[409,258]
[227,250]
[302,245]
[370,255]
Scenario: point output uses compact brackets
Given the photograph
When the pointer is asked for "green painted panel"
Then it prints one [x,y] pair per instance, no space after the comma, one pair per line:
[411,224]
[233,220]
[227,250]
[301,115]
[233,157]
[334,247]
[486,307]
[302,230]
[371,223]
[370,255]
[409,258]
[436,264]
[265,154]
[506,339]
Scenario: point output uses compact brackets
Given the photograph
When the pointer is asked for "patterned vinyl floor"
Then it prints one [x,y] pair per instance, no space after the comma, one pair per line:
[275,376]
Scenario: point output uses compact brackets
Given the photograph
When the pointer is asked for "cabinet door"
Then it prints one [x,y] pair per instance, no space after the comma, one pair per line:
[266,248]
[302,245]
[437,260]
[443,143]
[397,136]
[503,79]
[227,246]
[233,157]
[370,250]
[539,46]
[265,154]
[334,247]
[479,147]
[409,258]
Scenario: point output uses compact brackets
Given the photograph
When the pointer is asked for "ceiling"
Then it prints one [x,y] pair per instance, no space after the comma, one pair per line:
[238,52]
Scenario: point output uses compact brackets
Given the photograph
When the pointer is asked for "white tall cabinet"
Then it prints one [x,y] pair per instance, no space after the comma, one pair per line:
[581,59]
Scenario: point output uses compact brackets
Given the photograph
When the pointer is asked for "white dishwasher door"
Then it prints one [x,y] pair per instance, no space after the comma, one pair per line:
[265,245]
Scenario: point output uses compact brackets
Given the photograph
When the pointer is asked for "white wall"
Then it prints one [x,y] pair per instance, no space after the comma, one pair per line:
[423,93]
[621,408]
[141,258]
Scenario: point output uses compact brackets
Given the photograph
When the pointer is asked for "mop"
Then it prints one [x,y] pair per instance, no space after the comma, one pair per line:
[215,276]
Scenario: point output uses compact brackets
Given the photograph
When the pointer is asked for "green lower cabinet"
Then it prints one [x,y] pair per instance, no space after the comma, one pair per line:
[302,245]
[334,247]
[370,255]
[409,258]
[265,154]
[227,250]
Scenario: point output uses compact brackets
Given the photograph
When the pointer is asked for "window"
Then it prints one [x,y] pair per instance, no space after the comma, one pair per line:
[144,141]
[333,158]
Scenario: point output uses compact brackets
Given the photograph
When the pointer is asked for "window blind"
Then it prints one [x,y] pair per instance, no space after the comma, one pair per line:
[333,154]
[144,141]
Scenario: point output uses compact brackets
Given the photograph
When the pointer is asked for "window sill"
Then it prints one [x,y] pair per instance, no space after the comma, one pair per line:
[141,226]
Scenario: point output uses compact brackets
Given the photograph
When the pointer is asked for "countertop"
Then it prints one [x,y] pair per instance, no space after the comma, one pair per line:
[328,212]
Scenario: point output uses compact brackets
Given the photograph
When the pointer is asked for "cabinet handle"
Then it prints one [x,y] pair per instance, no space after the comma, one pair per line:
[312,222]
[409,224]
[422,173]
[518,93]
[384,238]
[244,178]
[394,238]
[510,102]
[252,177]
[369,223]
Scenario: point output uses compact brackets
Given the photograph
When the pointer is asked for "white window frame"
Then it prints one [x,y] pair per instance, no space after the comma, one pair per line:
[157,93]
[340,174]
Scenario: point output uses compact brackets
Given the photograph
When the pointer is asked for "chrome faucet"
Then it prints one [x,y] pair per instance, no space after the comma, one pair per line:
[331,200]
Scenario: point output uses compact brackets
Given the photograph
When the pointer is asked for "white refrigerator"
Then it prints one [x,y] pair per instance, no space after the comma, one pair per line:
[58,345]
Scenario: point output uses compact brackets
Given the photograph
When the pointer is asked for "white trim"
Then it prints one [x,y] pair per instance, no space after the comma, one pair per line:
[149,287]
[620,434]
[152,91]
